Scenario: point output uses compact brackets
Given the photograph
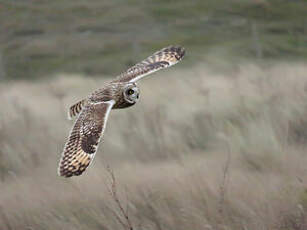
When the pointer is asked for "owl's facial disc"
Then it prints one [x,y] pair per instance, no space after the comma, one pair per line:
[131,94]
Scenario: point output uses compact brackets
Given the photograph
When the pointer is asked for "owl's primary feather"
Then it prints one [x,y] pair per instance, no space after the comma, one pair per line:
[84,138]
[93,111]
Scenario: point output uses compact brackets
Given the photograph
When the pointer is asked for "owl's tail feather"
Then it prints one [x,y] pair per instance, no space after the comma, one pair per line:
[75,109]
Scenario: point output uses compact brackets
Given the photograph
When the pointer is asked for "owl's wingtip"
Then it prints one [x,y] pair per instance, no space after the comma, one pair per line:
[179,51]
[63,173]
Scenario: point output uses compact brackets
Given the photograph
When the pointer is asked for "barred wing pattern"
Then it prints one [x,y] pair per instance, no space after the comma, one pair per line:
[84,138]
[75,109]
[162,59]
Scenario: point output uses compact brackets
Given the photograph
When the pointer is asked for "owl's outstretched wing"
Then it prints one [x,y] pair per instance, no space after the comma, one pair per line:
[84,138]
[161,59]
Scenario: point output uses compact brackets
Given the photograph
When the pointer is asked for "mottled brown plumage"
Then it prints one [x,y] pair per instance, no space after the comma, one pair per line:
[93,111]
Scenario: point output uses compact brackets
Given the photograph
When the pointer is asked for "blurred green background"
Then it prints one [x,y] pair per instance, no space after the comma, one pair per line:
[39,37]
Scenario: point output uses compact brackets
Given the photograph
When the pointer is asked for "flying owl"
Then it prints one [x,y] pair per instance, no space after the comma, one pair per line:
[92,113]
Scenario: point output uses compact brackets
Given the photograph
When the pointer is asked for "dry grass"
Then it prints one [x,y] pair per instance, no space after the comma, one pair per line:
[208,151]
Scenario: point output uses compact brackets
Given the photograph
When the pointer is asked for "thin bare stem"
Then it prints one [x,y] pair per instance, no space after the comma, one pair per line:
[113,192]
[223,187]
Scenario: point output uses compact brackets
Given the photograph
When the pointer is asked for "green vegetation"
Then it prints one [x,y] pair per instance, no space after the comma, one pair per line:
[105,37]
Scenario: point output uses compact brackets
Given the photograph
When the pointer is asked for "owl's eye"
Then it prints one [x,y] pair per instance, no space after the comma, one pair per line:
[130,91]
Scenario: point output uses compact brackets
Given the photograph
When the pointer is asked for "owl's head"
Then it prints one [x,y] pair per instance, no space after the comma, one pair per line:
[131,93]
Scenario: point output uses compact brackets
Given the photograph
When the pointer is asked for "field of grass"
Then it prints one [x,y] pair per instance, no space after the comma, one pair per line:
[212,150]
[40,38]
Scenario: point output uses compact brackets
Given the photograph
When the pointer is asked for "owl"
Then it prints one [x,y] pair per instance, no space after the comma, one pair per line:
[92,112]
